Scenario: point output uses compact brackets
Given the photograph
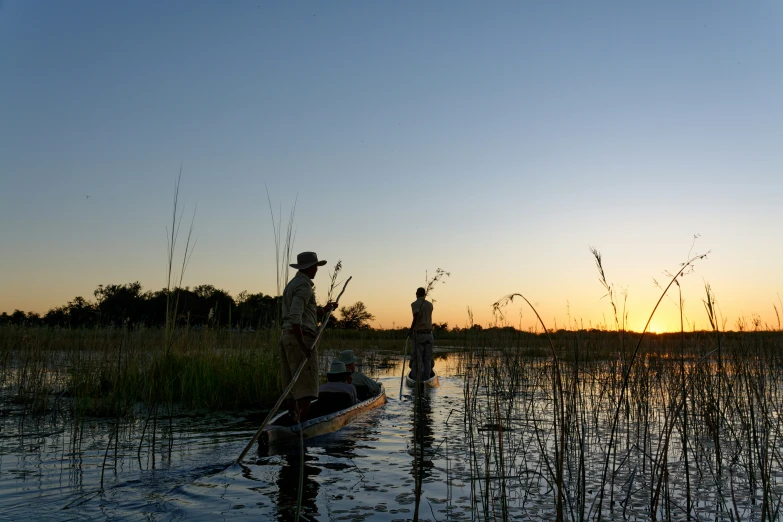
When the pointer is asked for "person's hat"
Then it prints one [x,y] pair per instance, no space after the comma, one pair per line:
[337,368]
[307,259]
[347,357]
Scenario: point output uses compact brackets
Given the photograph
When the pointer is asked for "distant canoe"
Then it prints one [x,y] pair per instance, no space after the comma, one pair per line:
[274,434]
[432,382]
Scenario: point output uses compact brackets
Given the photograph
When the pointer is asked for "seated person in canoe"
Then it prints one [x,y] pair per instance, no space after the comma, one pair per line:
[337,394]
[365,387]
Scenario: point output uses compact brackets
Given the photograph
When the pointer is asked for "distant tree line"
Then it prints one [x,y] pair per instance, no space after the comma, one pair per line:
[203,305]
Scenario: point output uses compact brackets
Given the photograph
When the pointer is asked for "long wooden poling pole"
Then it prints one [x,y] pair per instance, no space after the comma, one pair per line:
[404,357]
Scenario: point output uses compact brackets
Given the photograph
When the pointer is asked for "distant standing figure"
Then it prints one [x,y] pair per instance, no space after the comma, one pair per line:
[300,327]
[421,336]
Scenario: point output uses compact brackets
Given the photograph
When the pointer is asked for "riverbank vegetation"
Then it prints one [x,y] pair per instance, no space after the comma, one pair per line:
[129,305]
[104,371]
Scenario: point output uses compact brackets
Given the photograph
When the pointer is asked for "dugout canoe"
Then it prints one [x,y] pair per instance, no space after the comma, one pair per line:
[275,434]
[432,382]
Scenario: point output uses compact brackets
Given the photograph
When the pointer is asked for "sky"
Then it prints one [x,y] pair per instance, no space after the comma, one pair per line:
[497,141]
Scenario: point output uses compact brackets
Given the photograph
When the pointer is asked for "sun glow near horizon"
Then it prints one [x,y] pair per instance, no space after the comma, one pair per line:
[657,327]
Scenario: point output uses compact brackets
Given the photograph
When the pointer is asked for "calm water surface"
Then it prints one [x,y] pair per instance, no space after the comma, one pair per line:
[51,469]
[362,472]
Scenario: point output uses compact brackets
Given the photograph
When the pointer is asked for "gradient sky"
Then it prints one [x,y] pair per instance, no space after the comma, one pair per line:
[496,141]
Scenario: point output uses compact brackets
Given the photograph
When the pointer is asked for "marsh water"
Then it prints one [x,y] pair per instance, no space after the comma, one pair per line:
[362,472]
[473,465]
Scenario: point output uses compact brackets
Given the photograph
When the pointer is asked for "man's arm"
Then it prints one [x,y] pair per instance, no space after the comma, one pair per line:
[415,310]
[374,387]
[321,311]
[413,323]
[297,328]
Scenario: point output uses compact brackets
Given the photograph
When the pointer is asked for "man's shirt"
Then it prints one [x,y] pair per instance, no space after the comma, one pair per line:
[299,305]
[339,387]
[359,379]
[423,308]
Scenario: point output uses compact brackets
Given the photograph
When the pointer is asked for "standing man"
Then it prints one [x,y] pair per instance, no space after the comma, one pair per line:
[421,336]
[300,327]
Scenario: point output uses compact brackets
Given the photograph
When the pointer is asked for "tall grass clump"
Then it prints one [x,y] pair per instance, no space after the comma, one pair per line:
[105,371]
[673,454]
[612,425]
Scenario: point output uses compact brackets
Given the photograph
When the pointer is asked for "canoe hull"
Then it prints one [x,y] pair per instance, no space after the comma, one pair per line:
[273,434]
[432,382]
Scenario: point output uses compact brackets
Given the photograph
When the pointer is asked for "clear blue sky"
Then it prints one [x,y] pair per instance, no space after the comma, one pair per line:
[497,141]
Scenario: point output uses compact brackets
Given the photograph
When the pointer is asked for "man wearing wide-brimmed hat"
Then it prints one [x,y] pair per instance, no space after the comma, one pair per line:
[365,387]
[339,381]
[300,327]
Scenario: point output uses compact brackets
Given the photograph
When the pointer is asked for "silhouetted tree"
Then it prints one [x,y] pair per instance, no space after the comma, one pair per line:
[440,327]
[127,304]
[211,306]
[355,317]
[81,312]
[119,304]
[56,317]
[18,317]
[154,308]
[256,310]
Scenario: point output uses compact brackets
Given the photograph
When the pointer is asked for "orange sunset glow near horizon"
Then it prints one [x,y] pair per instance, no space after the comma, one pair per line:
[461,301]
[498,142]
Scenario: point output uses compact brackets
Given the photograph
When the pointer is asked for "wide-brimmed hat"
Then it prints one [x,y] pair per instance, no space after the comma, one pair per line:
[337,368]
[307,259]
[347,357]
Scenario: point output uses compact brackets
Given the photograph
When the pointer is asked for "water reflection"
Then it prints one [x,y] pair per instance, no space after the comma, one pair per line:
[288,488]
[422,440]
[491,459]
[323,457]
